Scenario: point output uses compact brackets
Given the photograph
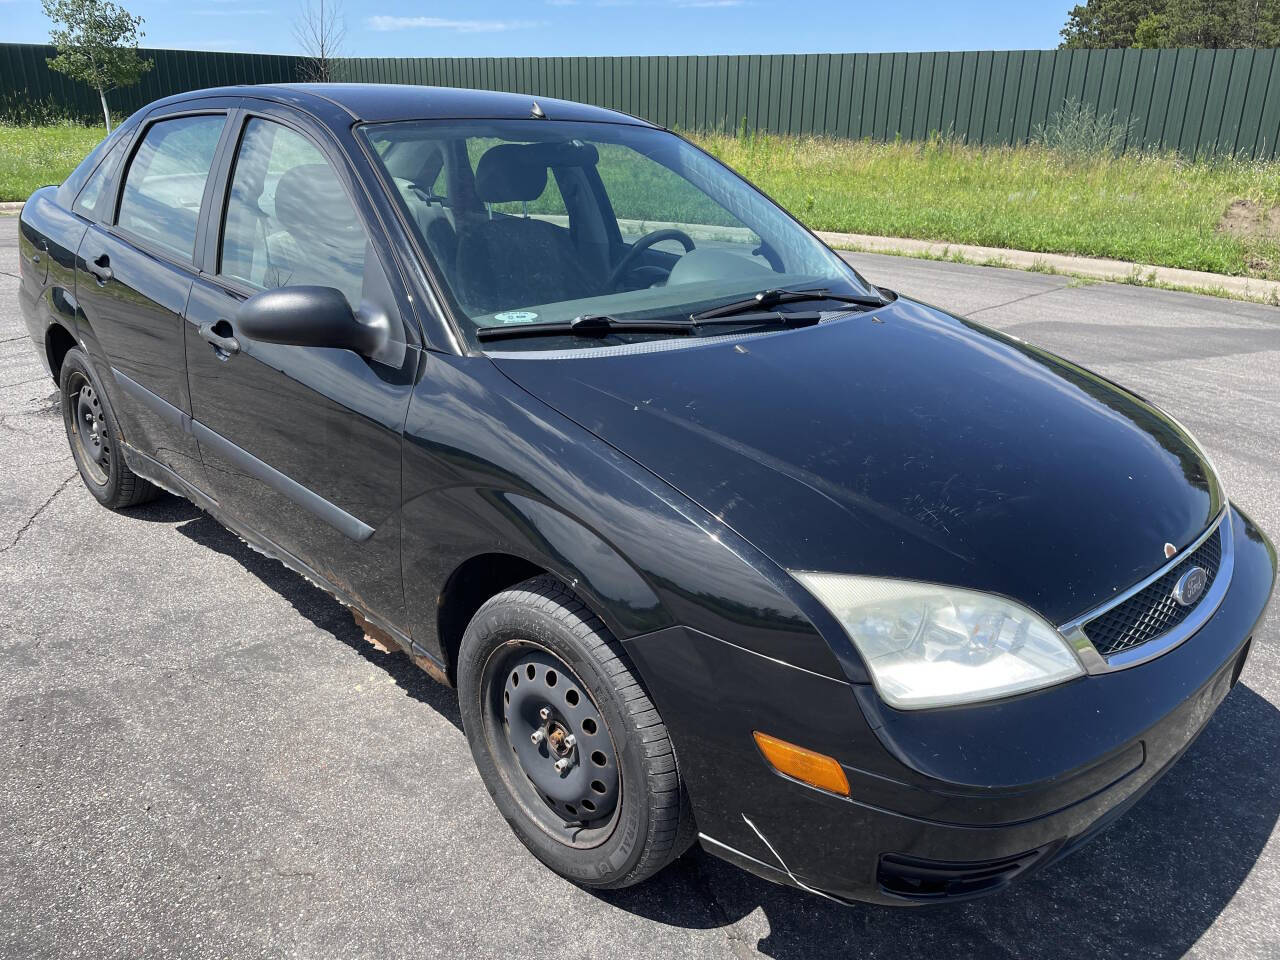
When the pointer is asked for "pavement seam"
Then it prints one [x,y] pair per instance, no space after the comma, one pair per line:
[17,537]
[1028,296]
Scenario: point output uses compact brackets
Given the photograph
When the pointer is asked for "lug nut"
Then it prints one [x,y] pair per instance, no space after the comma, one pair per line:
[563,764]
[569,741]
[538,735]
[545,713]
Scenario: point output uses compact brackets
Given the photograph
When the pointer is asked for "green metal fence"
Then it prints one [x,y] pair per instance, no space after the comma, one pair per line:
[23,70]
[1195,101]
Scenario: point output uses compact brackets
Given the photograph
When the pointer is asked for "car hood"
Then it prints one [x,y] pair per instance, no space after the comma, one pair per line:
[901,443]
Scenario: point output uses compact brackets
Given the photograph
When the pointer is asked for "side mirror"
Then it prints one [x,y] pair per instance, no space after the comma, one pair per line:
[309,317]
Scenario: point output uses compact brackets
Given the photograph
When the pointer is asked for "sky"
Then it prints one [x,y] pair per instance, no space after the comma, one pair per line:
[466,28]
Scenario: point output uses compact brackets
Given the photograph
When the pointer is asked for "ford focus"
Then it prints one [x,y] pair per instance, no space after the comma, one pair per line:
[719,542]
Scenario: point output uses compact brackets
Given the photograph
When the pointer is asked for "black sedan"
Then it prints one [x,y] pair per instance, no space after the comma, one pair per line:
[717,540]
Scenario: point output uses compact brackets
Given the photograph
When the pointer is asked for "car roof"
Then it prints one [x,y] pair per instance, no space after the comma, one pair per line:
[383,102]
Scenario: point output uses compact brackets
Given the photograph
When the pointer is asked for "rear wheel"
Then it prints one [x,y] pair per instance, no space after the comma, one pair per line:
[567,741]
[94,436]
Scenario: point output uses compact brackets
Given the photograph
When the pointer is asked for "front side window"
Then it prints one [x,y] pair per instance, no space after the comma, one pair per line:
[288,219]
[165,182]
[535,221]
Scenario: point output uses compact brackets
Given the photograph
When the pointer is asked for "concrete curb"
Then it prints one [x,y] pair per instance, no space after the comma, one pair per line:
[1244,288]
[11,206]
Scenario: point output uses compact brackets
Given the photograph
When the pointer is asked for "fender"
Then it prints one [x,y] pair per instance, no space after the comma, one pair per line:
[608,584]
[492,471]
[48,238]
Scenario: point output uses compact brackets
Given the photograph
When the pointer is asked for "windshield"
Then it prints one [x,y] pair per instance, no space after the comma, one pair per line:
[536,222]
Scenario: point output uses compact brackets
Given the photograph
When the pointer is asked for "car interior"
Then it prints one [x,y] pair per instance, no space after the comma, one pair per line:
[514,224]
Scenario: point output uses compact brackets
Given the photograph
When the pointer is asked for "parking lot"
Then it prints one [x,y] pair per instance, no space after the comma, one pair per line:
[201,756]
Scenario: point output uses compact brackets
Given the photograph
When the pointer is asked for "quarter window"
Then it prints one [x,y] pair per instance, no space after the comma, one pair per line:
[289,221]
[91,194]
[165,183]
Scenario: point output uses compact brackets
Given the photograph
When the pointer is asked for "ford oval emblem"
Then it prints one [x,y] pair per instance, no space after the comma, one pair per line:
[1190,586]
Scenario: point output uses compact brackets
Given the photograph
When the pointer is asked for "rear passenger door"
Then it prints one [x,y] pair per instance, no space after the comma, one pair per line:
[134,271]
[302,445]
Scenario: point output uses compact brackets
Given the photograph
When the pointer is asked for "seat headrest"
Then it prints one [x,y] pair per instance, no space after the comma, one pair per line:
[504,173]
[518,171]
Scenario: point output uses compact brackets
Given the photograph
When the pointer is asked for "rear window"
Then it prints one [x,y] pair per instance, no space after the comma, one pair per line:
[165,182]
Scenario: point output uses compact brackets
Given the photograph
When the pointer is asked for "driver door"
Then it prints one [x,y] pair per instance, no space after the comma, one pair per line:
[301,445]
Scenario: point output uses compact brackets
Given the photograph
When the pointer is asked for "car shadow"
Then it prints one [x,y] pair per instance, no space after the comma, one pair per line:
[317,606]
[1149,886]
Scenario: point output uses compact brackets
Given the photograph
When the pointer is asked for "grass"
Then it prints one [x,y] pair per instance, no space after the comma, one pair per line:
[1155,209]
[1160,210]
[30,157]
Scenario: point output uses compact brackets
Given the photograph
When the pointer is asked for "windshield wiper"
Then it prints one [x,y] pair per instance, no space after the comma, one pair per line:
[599,326]
[591,325]
[771,298]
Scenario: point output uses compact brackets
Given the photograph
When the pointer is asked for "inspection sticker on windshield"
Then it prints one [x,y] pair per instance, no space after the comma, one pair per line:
[516,316]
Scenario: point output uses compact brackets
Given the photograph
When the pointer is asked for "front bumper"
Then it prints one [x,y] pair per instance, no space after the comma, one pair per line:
[944,804]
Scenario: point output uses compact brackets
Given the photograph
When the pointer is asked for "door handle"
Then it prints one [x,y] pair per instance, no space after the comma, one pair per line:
[100,268]
[225,344]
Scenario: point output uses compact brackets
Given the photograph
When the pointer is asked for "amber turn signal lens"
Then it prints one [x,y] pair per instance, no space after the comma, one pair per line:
[816,769]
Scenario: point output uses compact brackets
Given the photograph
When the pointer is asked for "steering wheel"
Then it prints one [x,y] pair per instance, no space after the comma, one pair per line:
[643,244]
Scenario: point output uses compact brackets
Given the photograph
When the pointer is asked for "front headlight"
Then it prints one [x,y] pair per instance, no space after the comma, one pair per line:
[933,646]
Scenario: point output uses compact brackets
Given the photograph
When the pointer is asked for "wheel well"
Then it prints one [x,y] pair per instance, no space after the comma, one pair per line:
[468,587]
[57,341]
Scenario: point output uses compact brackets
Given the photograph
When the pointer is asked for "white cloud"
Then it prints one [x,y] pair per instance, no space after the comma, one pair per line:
[386,23]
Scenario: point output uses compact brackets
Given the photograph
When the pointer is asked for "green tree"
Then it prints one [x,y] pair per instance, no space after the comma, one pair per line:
[1107,23]
[1173,23]
[97,44]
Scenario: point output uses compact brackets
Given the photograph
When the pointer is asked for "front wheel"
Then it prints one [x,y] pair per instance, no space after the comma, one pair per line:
[567,741]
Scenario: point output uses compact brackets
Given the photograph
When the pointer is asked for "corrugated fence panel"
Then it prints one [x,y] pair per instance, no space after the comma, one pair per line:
[1195,101]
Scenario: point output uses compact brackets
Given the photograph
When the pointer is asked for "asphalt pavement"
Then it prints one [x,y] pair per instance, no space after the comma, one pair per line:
[201,757]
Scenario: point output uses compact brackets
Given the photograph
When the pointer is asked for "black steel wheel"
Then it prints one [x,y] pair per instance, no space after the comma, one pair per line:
[89,429]
[562,754]
[567,742]
[94,436]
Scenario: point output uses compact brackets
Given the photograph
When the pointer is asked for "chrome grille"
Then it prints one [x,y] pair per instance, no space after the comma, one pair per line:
[1152,611]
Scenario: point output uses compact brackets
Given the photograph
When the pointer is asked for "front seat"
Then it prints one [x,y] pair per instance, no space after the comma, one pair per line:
[507,262]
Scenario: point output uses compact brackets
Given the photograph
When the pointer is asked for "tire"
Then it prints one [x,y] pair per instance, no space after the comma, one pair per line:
[582,823]
[94,435]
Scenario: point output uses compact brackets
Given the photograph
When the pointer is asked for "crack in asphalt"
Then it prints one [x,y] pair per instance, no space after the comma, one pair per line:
[1028,296]
[738,944]
[49,463]
[17,537]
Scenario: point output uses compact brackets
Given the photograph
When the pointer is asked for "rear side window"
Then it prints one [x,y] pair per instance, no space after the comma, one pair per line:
[289,221]
[165,182]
